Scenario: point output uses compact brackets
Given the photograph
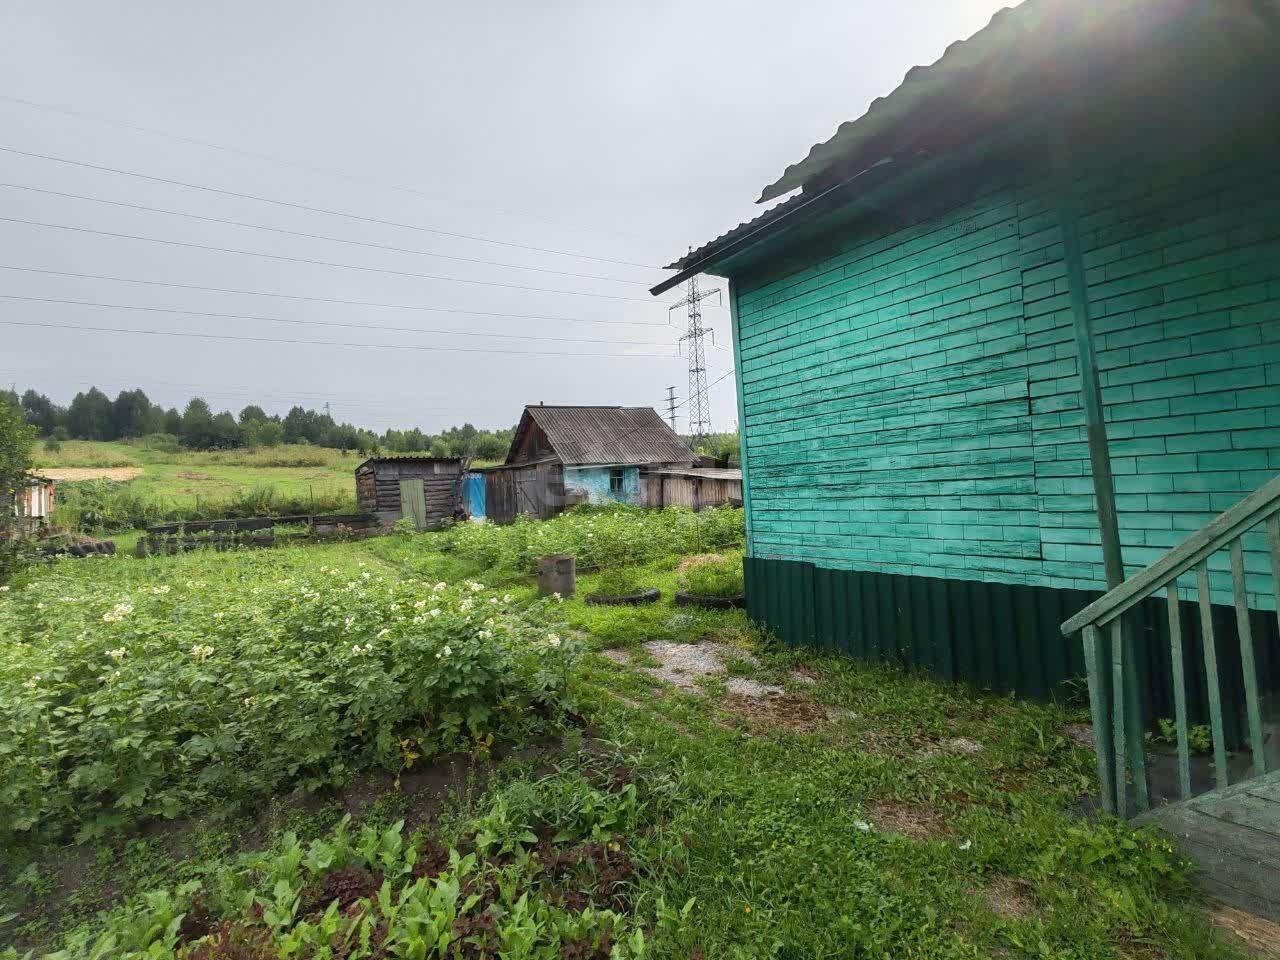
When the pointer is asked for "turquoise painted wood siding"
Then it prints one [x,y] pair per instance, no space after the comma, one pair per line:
[910,397]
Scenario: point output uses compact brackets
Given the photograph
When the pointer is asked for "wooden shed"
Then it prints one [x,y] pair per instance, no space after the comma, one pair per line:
[535,489]
[1013,343]
[427,489]
[562,456]
[695,487]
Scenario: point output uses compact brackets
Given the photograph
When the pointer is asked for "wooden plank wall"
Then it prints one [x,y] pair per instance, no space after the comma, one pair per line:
[536,490]
[441,490]
[911,400]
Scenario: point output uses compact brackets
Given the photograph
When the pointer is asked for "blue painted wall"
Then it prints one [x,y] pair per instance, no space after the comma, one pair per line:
[594,482]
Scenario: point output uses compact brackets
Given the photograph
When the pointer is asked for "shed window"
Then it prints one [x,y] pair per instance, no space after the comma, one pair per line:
[615,481]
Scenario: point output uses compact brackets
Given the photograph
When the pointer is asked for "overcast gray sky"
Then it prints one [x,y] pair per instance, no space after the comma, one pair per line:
[621,132]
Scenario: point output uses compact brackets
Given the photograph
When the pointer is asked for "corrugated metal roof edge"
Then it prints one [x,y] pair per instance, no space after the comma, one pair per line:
[820,154]
[920,84]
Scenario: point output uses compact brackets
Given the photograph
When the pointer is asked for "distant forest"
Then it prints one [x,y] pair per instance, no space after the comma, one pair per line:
[92,415]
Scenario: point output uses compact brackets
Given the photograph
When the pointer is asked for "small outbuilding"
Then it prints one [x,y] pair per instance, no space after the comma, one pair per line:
[426,489]
[562,456]
[33,502]
[695,487]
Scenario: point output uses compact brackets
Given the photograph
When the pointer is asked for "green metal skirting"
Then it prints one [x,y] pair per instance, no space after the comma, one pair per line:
[996,636]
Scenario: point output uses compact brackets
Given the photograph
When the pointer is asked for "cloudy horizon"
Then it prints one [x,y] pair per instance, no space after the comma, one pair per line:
[487,192]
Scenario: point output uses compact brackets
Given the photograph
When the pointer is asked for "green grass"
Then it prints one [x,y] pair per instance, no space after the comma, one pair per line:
[86,453]
[714,577]
[181,484]
[833,821]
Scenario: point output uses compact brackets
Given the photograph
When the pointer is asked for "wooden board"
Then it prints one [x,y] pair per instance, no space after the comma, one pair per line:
[1234,835]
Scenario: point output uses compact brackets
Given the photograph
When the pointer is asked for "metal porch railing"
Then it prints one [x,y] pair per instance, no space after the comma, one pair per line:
[1111,662]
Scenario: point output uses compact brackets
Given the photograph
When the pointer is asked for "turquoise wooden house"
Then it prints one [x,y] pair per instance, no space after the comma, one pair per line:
[1013,337]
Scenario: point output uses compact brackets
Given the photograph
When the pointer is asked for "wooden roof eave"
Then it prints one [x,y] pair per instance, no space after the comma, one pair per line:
[867,193]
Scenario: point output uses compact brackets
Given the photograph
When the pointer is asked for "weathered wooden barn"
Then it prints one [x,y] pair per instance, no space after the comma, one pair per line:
[561,456]
[1015,338]
[426,489]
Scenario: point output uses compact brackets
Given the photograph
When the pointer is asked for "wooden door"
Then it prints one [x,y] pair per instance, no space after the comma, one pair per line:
[413,502]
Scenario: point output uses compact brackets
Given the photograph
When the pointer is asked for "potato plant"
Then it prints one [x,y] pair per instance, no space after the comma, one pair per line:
[599,537]
[154,686]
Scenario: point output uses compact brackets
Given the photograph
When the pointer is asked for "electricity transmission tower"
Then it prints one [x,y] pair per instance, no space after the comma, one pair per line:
[699,406]
[671,407]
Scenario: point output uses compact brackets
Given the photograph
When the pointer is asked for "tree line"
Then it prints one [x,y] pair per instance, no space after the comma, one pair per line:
[92,415]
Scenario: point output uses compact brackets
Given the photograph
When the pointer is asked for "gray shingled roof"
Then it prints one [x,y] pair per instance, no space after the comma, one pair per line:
[620,436]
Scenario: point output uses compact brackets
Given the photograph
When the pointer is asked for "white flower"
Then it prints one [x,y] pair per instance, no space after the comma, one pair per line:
[201,653]
[447,650]
[475,587]
[434,611]
[485,634]
[465,605]
[383,632]
[30,684]
[219,615]
[4,589]
[419,620]
[117,613]
[117,654]
[965,845]
[250,701]
[348,622]
[553,640]
[39,606]
[493,599]
[556,597]
[420,605]
[506,598]
[357,649]
[862,825]
[366,575]
[165,588]
[361,564]
[439,586]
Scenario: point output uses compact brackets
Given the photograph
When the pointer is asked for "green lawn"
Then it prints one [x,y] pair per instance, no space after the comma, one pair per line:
[849,811]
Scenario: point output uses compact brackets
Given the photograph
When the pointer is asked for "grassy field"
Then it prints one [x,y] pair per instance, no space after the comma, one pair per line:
[140,483]
[253,784]
[184,477]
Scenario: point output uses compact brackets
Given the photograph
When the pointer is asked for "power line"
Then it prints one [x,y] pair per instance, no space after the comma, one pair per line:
[315,236]
[317,263]
[724,376]
[311,209]
[284,161]
[325,323]
[326,343]
[332,300]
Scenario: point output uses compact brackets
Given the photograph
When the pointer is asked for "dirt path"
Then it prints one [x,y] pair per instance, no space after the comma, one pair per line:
[90,473]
